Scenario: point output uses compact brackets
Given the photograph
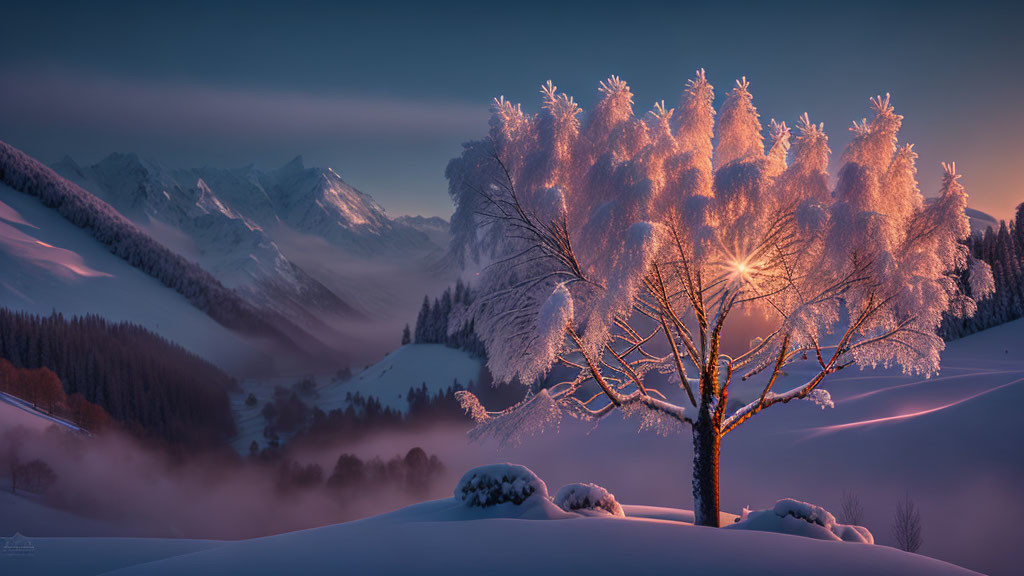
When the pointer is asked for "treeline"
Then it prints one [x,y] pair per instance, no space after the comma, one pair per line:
[353,477]
[1003,250]
[288,413]
[445,322]
[42,388]
[147,384]
[125,240]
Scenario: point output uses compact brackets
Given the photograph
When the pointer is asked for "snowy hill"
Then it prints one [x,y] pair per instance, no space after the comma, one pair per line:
[445,537]
[950,441]
[980,221]
[411,366]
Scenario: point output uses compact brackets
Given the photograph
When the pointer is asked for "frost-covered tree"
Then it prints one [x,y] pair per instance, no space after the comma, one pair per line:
[619,246]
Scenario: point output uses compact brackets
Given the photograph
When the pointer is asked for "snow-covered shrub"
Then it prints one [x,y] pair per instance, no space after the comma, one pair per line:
[798,518]
[804,511]
[495,484]
[579,496]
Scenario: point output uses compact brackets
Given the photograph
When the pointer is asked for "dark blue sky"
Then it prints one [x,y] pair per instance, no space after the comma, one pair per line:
[384,94]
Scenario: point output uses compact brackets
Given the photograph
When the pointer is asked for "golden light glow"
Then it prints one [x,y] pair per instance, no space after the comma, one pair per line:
[740,270]
[738,264]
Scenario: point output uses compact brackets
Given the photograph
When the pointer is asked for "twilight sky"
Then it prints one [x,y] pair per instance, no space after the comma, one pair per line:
[386,93]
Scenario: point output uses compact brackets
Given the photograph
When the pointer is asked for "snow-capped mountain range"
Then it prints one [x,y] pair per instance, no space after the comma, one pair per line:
[233,221]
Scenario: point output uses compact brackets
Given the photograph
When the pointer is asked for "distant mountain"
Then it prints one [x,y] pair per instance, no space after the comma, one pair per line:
[233,222]
[180,209]
[130,243]
[435,228]
[54,265]
[317,201]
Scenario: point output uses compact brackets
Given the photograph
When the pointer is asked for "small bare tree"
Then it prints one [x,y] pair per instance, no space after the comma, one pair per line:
[620,247]
[850,509]
[906,525]
[11,443]
[35,476]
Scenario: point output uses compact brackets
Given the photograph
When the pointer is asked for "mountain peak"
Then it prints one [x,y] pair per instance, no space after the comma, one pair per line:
[67,165]
[297,163]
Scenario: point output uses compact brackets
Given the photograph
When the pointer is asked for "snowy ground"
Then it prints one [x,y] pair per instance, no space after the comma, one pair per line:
[951,442]
[444,537]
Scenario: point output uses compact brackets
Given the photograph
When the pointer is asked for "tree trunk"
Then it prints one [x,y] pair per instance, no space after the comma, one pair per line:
[706,446]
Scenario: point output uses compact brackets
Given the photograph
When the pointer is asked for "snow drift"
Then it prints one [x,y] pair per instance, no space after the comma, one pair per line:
[461,539]
[802,519]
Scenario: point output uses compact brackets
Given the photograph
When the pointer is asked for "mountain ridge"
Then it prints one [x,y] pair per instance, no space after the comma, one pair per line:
[128,241]
[234,220]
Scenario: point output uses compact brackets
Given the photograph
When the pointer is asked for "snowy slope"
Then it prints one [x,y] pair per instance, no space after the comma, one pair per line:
[443,537]
[69,272]
[951,442]
[980,221]
[90,556]
[389,380]
[410,366]
[30,514]
[17,412]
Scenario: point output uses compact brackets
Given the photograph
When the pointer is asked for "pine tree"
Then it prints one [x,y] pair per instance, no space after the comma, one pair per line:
[421,322]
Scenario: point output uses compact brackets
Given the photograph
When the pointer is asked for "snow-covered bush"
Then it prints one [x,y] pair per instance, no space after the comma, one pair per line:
[588,497]
[804,511]
[798,518]
[487,486]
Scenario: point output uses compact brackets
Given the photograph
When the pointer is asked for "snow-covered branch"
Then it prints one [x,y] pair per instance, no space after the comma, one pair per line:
[604,231]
